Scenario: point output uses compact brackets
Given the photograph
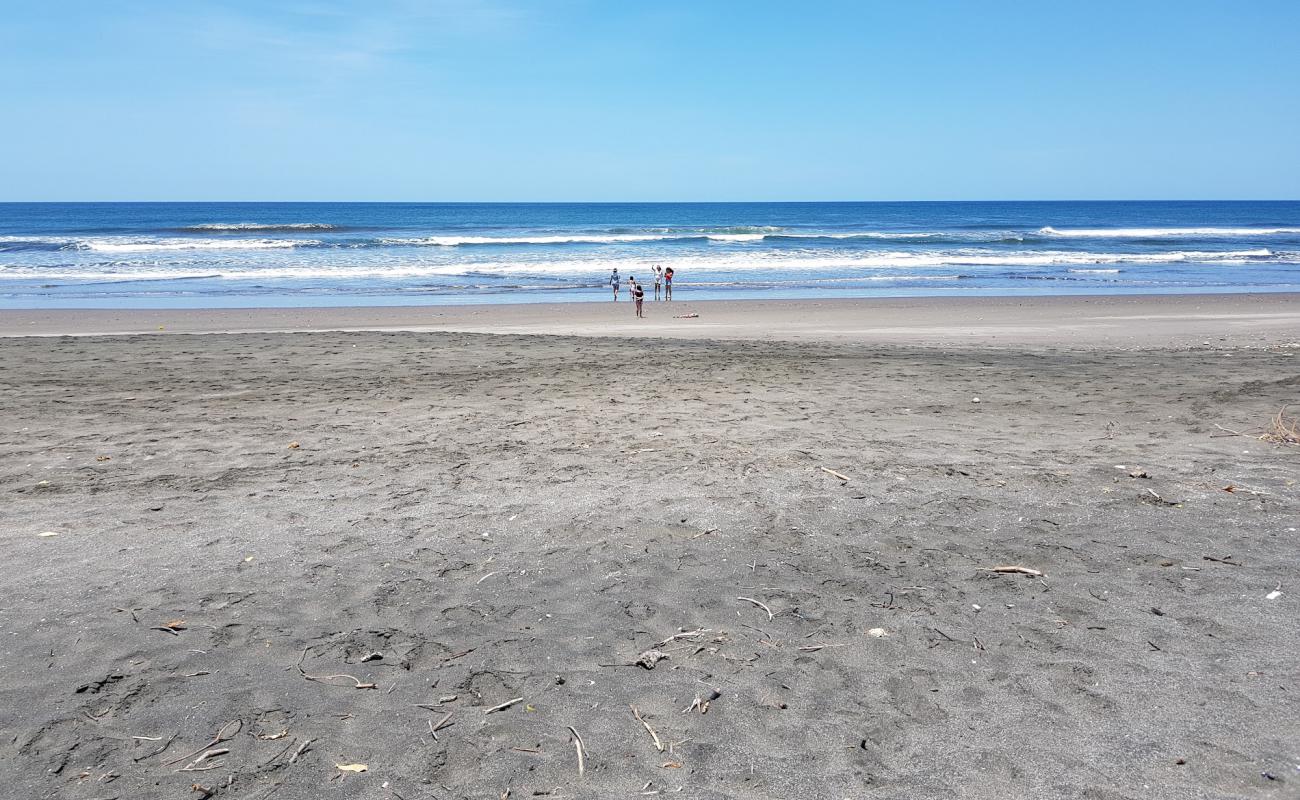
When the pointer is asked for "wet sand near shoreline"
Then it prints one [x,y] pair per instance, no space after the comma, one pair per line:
[1112,320]
[299,552]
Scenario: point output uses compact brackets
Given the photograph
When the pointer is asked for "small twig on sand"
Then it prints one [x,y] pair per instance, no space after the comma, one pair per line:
[503,706]
[578,746]
[442,723]
[1016,569]
[683,635]
[944,635]
[221,736]
[702,703]
[167,744]
[276,757]
[193,766]
[485,577]
[302,748]
[705,533]
[833,473]
[326,678]
[1227,560]
[658,744]
[760,605]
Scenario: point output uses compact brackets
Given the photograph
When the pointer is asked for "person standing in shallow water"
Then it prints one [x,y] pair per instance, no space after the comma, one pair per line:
[638,294]
[614,281]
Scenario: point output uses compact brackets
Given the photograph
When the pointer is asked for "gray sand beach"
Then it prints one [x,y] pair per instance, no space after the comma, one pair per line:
[254,564]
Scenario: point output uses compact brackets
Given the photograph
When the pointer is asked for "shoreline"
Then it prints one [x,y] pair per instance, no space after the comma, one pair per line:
[1108,320]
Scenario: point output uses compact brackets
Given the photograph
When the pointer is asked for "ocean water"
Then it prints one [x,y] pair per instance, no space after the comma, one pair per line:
[173,255]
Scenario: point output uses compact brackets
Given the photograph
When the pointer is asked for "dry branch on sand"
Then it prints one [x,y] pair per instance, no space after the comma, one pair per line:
[1012,569]
[1282,428]
[659,745]
[760,605]
[581,750]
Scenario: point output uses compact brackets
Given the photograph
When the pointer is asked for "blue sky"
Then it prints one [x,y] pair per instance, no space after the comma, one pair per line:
[665,100]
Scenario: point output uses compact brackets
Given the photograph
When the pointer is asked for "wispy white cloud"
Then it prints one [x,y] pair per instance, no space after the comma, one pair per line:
[332,40]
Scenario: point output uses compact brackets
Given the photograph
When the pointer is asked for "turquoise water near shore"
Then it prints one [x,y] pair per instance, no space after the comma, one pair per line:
[169,255]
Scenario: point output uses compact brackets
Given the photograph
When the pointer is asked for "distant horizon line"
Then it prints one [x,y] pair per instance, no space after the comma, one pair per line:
[629,202]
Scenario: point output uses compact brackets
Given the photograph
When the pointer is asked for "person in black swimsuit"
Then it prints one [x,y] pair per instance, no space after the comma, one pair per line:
[638,294]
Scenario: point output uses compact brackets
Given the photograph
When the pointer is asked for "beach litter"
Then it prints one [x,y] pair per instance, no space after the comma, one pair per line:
[702,702]
[1275,594]
[649,658]
[581,749]
[352,767]
[1013,569]
[659,745]
[760,605]
[47,534]
[502,706]
[877,633]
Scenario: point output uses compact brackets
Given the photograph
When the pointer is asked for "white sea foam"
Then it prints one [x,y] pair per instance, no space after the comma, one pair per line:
[1155,233]
[151,245]
[262,226]
[704,266]
[457,241]
[736,237]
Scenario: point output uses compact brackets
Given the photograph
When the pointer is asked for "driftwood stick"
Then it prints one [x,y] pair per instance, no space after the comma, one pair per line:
[683,635]
[760,605]
[578,746]
[193,766]
[221,736]
[302,748]
[658,744]
[159,751]
[1015,569]
[325,679]
[839,475]
[502,706]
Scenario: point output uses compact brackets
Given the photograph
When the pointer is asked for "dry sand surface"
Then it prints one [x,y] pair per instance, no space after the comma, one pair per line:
[296,552]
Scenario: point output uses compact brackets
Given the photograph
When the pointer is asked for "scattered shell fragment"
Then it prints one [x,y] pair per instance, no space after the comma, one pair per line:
[877,633]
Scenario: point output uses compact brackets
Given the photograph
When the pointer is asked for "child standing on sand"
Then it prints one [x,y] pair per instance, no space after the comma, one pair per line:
[659,279]
[668,284]
[638,294]
[614,281]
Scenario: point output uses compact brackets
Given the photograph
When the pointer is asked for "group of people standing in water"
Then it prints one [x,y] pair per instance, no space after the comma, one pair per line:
[663,278]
